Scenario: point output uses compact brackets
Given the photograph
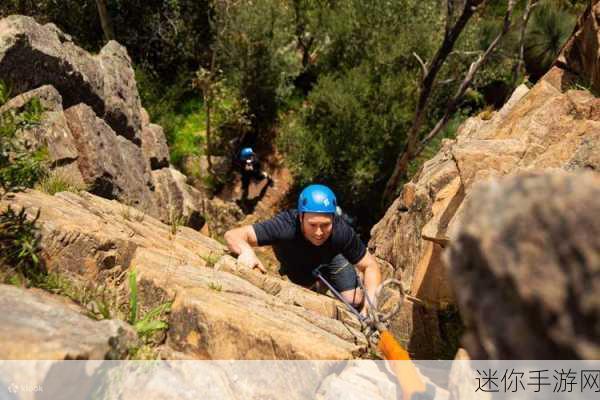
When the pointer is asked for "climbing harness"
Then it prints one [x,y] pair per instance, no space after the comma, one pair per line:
[375,321]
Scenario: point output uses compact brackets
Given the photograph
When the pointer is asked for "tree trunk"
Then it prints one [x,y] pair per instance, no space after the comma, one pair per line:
[430,73]
[518,67]
[105,21]
[415,145]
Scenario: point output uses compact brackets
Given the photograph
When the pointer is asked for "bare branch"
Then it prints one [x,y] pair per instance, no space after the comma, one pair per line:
[453,104]
[105,20]
[450,38]
[423,65]
[519,64]
[467,53]
[414,146]
[449,15]
[447,81]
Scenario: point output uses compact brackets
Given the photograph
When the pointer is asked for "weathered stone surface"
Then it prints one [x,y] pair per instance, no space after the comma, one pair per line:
[120,95]
[462,382]
[526,260]
[103,82]
[209,380]
[362,380]
[177,199]
[216,314]
[53,131]
[48,96]
[319,308]
[580,54]
[154,146]
[35,325]
[222,216]
[545,128]
[413,212]
[222,324]
[587,156]
[112,166]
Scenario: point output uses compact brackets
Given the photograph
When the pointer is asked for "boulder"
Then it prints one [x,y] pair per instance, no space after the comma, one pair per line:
[48,96]
[462,382]
[120,94]
[154,146]
[525,263]
[538,129]
[579,55]
[177,201]
[221,216]
[360,380]
[112,166]
[216,314]
[104,82]
[35,325]
[166,379]
[53,131]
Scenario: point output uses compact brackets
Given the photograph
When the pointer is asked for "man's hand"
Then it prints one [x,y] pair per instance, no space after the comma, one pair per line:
[249,259]
[240,241]
[369,267]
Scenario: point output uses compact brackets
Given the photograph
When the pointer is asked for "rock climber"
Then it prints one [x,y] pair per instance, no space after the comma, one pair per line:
[250,169]
[310,237]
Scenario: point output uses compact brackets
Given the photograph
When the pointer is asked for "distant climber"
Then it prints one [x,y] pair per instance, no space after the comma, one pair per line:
[250,169]
[310,237]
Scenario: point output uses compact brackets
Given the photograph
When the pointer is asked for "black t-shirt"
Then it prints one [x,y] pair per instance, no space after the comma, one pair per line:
[298,256]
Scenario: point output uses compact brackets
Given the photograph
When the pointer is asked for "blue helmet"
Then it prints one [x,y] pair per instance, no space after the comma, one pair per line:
[317,199]
[246,153]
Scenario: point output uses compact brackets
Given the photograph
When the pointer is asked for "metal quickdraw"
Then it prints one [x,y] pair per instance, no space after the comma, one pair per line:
[377,333]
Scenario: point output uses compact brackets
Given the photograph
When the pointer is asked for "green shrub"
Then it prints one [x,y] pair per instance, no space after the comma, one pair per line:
[59,181]
[549,28]
[180,111]
[348,135]
[19,242]
[256,56]
[152,321]
[19,167]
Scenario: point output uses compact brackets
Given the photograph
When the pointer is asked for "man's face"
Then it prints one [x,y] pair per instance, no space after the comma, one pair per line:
[316,227]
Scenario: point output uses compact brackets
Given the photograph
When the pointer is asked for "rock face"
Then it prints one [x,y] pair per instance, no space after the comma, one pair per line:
[154,146]
[220,311]
[526,261]
[38,326]
[93,126]
[104,82]
[176,199]
[112,166]
[579,54]
[547,127]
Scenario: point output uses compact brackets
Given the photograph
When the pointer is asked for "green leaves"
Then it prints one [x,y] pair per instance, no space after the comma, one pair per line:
[20,167]
[19,242]
[549,28]
[151,321]
[133,296]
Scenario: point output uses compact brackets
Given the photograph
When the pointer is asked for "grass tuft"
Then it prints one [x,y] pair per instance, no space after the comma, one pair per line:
[60,181]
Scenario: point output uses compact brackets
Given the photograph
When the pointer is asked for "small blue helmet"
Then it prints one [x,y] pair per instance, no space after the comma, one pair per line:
[317,199]
[246,153]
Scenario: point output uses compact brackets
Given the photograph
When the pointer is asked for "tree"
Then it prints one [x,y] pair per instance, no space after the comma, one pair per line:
[416,142]
[347,130]
[107,27]
[257,57]
[517,69]
[550,27]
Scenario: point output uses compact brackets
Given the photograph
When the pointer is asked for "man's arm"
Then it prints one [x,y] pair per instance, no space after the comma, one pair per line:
[240,241]
[370,269]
